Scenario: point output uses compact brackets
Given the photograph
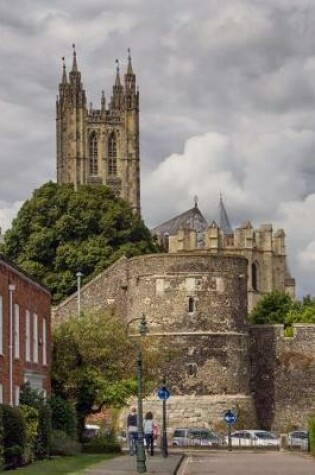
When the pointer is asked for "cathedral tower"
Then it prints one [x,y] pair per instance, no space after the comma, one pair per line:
[99,145]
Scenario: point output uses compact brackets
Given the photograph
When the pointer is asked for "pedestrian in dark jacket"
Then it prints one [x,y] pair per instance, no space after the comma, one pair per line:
[132,430]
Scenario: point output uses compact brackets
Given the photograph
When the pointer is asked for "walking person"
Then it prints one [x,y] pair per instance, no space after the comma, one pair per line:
[148,428]
[132,430]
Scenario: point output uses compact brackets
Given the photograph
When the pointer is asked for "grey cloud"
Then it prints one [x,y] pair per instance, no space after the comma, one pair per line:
[227,101]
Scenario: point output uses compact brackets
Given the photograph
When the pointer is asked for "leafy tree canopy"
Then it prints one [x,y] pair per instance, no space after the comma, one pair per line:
[60,231]
[94,362]
[279,307]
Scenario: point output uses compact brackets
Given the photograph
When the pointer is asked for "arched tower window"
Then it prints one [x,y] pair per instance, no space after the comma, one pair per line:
[93,153]
[112,155]
[255,276]
[191,304]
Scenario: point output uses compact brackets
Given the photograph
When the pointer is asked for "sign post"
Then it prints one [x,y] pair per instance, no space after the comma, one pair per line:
[229,418]
[163,394]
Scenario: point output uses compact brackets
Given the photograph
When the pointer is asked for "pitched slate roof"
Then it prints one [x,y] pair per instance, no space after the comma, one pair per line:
[225,225]
[191,219]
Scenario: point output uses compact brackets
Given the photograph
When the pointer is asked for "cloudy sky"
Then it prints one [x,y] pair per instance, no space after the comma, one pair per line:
[227,91]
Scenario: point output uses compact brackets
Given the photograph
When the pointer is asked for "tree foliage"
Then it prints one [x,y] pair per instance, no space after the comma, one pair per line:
[94,363]
[60,231]
[279,307]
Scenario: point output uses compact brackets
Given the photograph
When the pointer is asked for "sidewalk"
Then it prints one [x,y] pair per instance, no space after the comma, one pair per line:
[127,465]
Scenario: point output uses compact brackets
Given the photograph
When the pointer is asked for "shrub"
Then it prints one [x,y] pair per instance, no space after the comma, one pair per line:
[30,415]
[14,436]
[1,441]
[43,440]
[31,397]
[311,428]
[62,444]
[101,445]
[14,456]
[63,416]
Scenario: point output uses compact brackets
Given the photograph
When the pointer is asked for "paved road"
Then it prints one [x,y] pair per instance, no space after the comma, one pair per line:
[236,463]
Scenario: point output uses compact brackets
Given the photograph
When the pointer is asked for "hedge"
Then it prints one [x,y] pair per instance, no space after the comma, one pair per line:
[311,429]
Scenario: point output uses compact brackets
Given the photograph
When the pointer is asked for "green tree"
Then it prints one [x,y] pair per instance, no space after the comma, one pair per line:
[60,231]
[279,307]
[94,363]
[272,308]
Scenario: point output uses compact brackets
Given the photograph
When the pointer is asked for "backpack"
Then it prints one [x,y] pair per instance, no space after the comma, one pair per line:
[155,431]
[132,420]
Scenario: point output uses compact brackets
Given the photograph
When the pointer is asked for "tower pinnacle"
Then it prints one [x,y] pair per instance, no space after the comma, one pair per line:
[74,62]
[117,80]
[224,220]
[129,67]
[64,79]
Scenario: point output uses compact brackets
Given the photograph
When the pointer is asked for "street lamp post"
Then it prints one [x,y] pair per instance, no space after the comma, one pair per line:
[141,458]
[79,275]
[11,290]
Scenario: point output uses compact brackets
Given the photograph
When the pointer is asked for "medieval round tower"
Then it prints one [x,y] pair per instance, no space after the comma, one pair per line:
[196,309]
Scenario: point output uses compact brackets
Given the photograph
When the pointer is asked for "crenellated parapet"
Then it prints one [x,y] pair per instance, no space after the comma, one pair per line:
[263,248]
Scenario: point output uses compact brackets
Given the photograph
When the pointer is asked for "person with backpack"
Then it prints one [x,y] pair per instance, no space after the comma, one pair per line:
[132,430]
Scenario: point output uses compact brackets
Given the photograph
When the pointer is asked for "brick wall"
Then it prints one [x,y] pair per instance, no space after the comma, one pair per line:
[30,297]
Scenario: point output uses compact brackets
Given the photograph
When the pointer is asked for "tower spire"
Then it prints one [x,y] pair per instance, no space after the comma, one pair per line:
[103,102]
[74,62]
[64,79]
[117,80]
[224,219]
[129,67]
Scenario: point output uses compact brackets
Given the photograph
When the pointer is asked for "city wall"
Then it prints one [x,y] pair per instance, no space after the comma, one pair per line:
[196,310]
[283,375]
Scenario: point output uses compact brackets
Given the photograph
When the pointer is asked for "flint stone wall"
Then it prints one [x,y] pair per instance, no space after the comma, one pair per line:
[283,375]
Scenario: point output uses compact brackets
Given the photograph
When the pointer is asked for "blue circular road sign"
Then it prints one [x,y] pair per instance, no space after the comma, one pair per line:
[229,417]
[163,393]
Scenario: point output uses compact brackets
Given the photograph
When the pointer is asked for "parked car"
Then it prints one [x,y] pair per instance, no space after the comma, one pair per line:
[253,438]
[91,430]
[193,436]
[298,439]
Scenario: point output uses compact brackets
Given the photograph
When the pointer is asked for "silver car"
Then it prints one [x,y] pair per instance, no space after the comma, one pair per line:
[253,438]
[194,436]
[298,439]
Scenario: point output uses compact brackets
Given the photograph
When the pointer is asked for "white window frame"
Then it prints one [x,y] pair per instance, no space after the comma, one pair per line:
[1,325]
[44,341]
[28,336]
[16,331]
[35,338]
[1,393]
[17,395]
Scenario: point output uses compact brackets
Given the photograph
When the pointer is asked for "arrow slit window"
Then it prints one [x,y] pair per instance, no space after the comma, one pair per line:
[191,305]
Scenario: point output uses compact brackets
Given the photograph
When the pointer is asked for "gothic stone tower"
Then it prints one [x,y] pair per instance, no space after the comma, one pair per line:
[99,145]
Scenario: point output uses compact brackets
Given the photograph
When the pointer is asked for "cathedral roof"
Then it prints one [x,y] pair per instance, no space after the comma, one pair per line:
[191,219]
[225,225]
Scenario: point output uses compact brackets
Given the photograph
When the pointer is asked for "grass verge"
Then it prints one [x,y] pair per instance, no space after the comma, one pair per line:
[64,465]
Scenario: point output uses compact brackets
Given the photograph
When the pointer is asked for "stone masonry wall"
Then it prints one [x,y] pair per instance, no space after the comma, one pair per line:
[283,375]
[106,290]
[161,286]
[195,306]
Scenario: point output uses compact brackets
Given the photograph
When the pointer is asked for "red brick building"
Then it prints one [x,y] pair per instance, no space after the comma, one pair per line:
[25,338]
